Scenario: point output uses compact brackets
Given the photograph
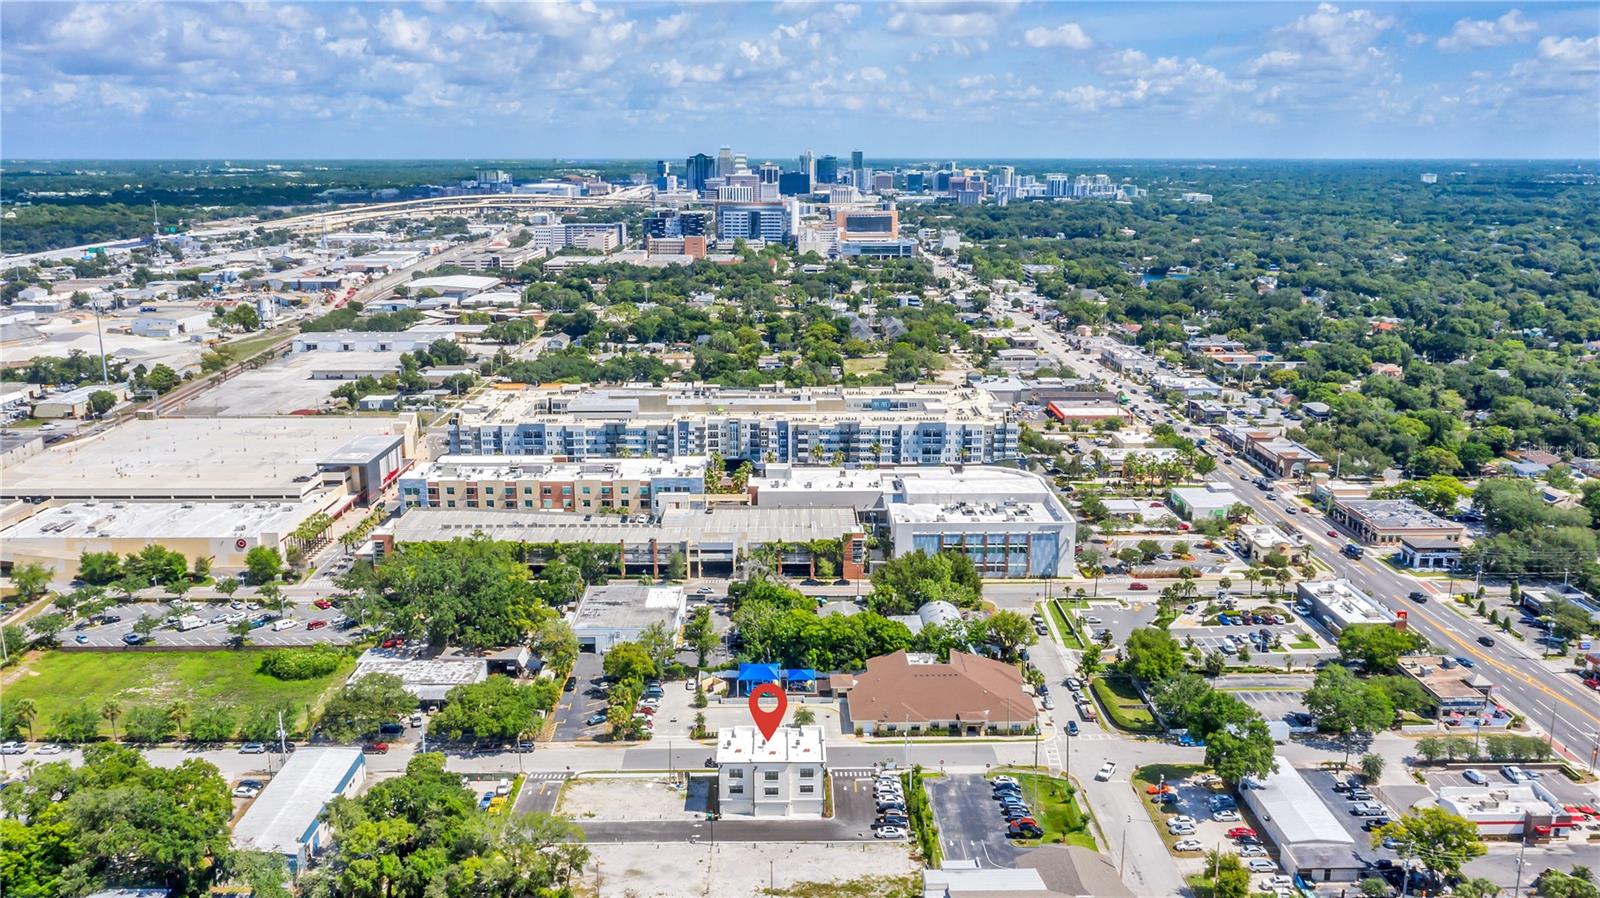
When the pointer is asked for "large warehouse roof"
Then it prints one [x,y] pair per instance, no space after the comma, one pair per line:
[178,458]
[1299,813]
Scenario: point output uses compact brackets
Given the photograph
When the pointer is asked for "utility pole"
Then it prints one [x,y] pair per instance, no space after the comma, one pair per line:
[105,373]
[1122,855]
[1522,850]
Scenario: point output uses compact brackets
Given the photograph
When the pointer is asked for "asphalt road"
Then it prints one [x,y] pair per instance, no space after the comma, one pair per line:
[1553,700]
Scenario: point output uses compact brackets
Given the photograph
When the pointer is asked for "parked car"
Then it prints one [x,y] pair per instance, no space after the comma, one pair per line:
[891,832]
[1225,816]
[570,685]
[13,748]
[323,604]
[595,719]
[284,623]
[1024,831]
[252,748]
[1513,773]
[316,624]
[1188,845]
[1240,832]
[245,792]
[1251,851]
[1180,829]
[375,748]
[1261,865]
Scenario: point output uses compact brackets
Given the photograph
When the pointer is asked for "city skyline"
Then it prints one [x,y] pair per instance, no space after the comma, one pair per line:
[913,81]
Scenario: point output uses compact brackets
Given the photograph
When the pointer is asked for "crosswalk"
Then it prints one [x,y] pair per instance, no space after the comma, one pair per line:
[851,773]
[552,776]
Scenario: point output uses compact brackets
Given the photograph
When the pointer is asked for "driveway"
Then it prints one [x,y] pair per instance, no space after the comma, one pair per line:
[573,708]
[853,805]
[970,825]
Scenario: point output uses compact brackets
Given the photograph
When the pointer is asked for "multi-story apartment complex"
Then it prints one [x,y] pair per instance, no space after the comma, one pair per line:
[773,222]
[622,486]
[599,236]
[911,425]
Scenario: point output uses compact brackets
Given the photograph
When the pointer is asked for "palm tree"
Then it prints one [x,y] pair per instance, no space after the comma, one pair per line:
[1251,575]
[111,710]
[1281,576]
[178,713]
[804,717]
[25,712]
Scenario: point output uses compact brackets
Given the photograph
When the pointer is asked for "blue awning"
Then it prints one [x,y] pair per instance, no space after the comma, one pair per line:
[759,673]
[798,676]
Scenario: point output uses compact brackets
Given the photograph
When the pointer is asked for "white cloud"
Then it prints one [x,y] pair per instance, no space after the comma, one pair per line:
[872,74]
[1068,36]
[950,18]
[1469,34]
[675,73]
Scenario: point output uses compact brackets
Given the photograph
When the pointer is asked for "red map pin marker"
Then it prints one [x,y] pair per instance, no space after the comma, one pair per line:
[767,721]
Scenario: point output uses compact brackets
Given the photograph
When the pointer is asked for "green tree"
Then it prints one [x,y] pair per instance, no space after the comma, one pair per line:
[1439,840]
[555,643]
[20,713]
[99,568]
[629,662]
[498,708]
[1010,631]
[1347,707]
[148,724]
[264,564]
[1152,655]
[361,706]
[115,819]
[101,401]
[700,634]
[31,580]
[110,710]
[804,716]
[473,592]
[47,626]
[212,724]
[1378,646]
[658,641]
[1242,751]
[1371,767]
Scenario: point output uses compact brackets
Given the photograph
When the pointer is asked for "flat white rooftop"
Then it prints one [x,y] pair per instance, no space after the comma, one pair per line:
[160,520]
[628,606]
[286,809]
[789,745]
[472,282]
[1294,806]
[232,458]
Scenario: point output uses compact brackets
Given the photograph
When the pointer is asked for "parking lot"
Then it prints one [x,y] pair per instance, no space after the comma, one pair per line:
[1322,781]
[970,825]
[1274,704]
[1565,790]
[1120,621]
[573,708]
[214,632]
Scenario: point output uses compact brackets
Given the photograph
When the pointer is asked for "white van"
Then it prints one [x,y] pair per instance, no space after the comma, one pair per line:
[284,623]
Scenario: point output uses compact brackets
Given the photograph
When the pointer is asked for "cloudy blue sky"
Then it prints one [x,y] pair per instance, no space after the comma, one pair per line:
[919,79]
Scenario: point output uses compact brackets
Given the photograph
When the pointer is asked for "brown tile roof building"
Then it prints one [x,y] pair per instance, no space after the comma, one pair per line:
[970,693]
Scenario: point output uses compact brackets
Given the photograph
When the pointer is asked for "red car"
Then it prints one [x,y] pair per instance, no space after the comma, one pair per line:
[1241,832]
[324,604]
[376,748]
[316,625]
[393,643]
[1333,533]
[1138,587]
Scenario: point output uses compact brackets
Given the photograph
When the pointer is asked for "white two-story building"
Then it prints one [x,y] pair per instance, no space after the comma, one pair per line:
[777,777]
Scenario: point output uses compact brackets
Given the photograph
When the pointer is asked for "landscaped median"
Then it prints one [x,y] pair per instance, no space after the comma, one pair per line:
[1066,631]
[1123,705]
[920,813]
[1054,803]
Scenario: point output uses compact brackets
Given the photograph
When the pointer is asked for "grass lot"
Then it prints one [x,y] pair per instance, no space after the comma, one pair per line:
[871,364]
[1064,628]
[1123,705]
[248,347]
[1055,809]
[1145,777]
[57,681]
[1303,642]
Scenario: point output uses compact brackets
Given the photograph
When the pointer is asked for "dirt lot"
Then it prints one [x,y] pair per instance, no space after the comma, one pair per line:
[634,798]
[743,868]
